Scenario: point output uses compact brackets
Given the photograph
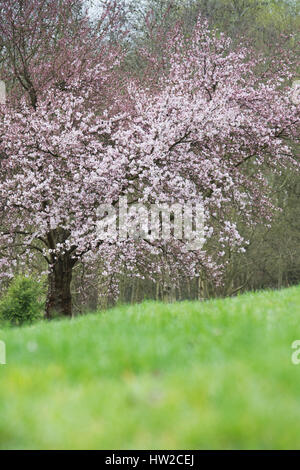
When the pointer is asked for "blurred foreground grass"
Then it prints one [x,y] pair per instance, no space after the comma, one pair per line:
[215,374]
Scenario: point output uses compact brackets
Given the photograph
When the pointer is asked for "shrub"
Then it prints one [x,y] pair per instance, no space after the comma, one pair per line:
[23,301]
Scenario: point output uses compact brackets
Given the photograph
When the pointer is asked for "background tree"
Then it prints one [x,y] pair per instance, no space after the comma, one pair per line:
[267,25]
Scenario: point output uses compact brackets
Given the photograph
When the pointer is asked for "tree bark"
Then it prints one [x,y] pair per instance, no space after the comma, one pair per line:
[59,299]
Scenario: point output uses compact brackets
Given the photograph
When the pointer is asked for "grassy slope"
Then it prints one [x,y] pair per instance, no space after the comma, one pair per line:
[189,375]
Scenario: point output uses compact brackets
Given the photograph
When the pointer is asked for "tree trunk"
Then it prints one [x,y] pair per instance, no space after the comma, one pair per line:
[59,300]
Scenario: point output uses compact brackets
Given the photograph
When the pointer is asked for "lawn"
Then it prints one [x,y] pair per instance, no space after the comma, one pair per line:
[189,375]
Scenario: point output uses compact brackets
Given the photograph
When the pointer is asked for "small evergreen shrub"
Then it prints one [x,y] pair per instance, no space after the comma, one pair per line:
[23,301]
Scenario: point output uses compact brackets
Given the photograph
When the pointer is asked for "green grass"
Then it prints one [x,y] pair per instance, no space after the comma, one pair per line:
[216,374]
